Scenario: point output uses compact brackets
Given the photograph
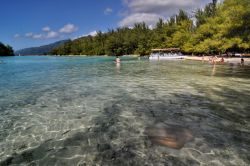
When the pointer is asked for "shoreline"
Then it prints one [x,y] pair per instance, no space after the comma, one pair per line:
[234,60]
[229,60]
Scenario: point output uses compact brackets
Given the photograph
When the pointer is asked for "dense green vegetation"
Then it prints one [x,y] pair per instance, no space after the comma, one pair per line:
[42,50]
[218,28]
[6,50]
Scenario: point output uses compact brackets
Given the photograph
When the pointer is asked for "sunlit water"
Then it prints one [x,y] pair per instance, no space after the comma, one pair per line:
[89,111]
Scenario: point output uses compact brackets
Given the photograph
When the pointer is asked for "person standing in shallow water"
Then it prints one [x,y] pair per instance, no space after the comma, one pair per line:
[117,60]
[222,60]
[242,61]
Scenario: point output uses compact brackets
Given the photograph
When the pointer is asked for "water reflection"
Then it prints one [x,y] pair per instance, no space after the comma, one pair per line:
[214,70]
[118,67]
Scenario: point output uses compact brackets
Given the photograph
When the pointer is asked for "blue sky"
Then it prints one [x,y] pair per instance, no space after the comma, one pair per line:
[27,23]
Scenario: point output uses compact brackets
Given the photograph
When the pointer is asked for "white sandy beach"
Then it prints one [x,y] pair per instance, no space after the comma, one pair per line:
[235,60]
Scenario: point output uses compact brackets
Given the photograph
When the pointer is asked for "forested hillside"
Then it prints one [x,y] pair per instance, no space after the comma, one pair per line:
[6,50]
[218,28]
[42,50]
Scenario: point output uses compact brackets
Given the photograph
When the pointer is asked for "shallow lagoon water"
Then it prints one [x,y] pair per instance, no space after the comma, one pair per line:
[89,111]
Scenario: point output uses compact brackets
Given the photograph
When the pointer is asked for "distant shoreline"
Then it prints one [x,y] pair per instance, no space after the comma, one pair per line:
[230,60]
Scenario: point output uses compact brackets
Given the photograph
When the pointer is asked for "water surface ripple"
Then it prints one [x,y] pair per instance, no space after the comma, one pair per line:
[89,111]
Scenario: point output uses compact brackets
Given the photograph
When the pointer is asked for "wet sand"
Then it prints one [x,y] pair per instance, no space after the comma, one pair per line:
[235,60]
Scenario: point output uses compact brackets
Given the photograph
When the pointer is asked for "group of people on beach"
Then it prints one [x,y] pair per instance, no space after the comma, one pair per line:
[214,59]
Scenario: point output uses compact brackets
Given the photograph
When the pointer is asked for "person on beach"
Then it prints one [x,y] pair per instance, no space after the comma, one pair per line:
[210,59]
[222,60]
[213,59]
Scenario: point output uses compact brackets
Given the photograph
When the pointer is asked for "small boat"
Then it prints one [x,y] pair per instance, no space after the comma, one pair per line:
[166,54]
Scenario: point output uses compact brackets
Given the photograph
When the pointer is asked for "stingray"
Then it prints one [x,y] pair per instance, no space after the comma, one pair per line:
[171,136]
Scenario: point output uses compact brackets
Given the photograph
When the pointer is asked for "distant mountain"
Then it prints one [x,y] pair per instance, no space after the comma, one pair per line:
[42,50]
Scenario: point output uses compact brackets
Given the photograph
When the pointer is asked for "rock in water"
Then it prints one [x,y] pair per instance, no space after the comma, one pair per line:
[172,136]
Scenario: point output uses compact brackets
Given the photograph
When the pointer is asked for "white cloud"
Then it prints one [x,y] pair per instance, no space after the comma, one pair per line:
[68,28]
[93,33]
[30,34]
[151,26]
[47,33]
[37,36]
[17,36]
[108,11]
[52,34]
[159,6]
[33,36]
[46,29]
[150,11]
[149,19]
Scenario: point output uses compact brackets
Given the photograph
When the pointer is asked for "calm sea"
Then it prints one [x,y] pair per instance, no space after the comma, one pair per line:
[90,111]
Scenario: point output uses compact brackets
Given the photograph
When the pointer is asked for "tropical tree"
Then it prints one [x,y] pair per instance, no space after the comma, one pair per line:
[217,28]
[6,50]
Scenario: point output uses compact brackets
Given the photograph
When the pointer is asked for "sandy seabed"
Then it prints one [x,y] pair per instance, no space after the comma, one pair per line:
[91,111]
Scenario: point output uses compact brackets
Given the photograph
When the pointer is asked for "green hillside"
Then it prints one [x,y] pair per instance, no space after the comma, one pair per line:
[42,50]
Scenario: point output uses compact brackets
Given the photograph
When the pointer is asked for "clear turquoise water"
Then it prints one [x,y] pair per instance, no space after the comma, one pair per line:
[89,111]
